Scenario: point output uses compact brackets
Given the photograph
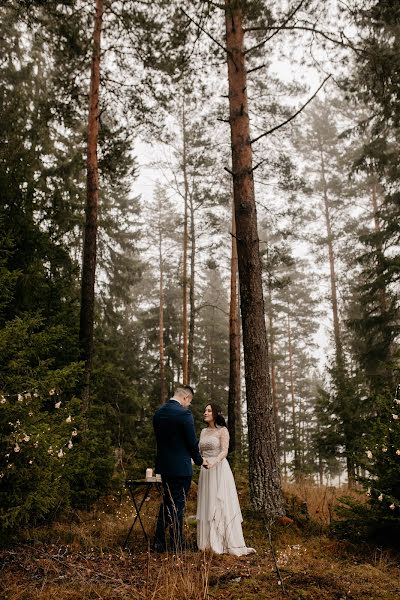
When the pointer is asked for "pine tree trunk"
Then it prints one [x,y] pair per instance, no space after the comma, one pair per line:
[234,417]
[184,259]
[191,290]
[91,213]
[264,475]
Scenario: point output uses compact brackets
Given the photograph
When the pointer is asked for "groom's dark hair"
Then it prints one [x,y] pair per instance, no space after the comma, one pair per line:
[185,388]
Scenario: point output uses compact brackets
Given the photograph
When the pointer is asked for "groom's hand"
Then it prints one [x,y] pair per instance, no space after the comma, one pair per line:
[205,464]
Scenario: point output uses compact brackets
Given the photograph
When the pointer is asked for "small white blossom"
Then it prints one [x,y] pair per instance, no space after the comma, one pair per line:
[31,461]
[70,444]
[30,413]
[2,400]
[52,392]
[18,422]
[27,438]
[57,404]
[397,400]
[384,449]
[10,466]
[368,492]
[369,453]
[50,450]
[68,419]
[392,506]
[20,397]
[74,432]
[1,475]
[35,395]
[60,453]
[395,417]
[36,444]
[28,396]
[16,448]
[380,497]
[398,452]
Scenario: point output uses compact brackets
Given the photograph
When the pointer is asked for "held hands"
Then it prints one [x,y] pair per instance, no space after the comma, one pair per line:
[205,463]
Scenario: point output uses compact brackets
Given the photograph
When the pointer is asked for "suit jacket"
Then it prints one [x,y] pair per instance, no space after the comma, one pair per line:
[176,440]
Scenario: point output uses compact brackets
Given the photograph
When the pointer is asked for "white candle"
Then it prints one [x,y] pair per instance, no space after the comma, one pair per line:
[149,473]
[158,477]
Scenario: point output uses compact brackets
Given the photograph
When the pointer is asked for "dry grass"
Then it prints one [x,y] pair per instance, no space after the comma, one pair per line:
[320,500]
[82,559]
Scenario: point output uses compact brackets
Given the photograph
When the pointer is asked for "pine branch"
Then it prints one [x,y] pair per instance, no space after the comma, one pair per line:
[292,116]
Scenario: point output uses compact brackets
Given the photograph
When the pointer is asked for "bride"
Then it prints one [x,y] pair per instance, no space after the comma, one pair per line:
[219,518]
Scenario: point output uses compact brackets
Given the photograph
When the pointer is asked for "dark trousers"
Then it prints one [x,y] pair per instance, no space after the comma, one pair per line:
[170,516]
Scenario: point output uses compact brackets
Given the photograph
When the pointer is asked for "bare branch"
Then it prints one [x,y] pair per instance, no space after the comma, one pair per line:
[278,29]
[257,68]
[293,116]
[328,36]
[205,31]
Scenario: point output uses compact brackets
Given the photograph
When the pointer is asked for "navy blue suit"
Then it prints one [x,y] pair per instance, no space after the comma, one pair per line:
[176,446]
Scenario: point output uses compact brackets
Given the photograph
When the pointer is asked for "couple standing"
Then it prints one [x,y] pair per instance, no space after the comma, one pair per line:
[219,517]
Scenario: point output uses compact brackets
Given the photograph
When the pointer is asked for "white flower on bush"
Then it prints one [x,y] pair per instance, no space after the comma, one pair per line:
[31,461]
[397,400]
[52,392]
[57,404]
[68,419]
[368,492]
[395,417]
[398,452]
[26,438]
[384,449]
[2,400]
[60,453]
[20,397]
[28,396]
[74,432]
[70,444]
[392,506]
[50,450]
[368,453]
[16,448]
[380,497]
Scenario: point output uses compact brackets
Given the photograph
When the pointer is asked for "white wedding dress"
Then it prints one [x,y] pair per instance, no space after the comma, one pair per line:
[219,518]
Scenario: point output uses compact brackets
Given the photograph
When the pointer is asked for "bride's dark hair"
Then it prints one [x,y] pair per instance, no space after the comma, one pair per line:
[217,415]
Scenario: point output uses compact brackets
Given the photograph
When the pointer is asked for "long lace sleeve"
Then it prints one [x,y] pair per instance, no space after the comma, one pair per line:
[224,438]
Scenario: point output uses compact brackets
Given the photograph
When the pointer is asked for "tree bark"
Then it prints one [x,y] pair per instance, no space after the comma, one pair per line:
[234,425]
[264,476]
[91,212]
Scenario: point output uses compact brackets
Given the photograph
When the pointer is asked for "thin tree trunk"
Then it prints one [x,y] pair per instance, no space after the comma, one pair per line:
[334,301]
[161,312]
[273,368]
[380,256]
[264,475]
[234,352]
[192,317]
[185,253]
[91,213]
[295,437]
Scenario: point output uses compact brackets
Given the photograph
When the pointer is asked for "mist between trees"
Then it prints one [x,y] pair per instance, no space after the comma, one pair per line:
[262,218]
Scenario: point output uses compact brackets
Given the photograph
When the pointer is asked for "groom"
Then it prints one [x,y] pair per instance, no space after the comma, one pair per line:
[176,446]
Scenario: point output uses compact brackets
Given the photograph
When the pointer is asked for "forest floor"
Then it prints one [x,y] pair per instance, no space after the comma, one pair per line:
[81,558]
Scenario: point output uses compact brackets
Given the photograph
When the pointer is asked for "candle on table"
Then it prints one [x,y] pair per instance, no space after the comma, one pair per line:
[149,473]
